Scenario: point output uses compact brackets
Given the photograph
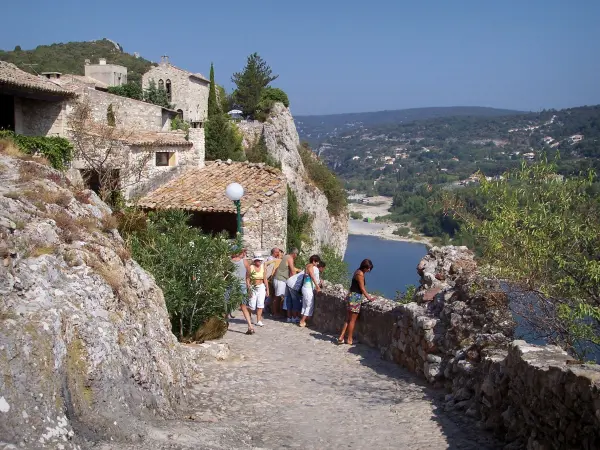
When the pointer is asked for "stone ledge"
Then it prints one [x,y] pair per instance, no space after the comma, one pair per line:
[460,338]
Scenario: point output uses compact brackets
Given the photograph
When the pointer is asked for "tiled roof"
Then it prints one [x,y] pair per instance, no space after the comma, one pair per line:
[12,76]
[82,79]
[203,189]
[140,138]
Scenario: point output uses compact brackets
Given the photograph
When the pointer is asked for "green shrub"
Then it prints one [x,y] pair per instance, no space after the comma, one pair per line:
[274,95]
[336,269]
[193,269]
[325,180]
[298,224]
[258,153]
[357,215]
[57,150]
[130,90]
[402,231]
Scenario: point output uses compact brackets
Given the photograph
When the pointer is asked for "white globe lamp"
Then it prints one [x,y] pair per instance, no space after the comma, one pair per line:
[235,192]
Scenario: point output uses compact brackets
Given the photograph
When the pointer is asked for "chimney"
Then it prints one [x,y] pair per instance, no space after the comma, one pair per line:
[164,59]
[102,61]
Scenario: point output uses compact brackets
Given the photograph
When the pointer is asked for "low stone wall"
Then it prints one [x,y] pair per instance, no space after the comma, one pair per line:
[458,334]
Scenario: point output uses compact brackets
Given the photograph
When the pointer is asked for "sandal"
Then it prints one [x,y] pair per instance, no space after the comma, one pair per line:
[302,325]
[341,341]
[250,331]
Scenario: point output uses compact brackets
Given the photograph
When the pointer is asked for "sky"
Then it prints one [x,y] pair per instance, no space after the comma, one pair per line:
[335,56]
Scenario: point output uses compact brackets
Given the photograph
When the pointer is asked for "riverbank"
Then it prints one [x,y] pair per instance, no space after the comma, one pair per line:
[384,231]
[371,208]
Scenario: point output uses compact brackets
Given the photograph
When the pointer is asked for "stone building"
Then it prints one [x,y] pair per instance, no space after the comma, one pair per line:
[109,74]
[187,91]
[201,192]
[30,105]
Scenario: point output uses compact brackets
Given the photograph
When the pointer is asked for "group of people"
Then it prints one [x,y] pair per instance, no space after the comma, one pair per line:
[290,291]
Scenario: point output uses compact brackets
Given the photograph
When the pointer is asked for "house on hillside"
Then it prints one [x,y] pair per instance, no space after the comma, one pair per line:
[31,105]
[187,91]
[108,74]
[201,192]
[575,139]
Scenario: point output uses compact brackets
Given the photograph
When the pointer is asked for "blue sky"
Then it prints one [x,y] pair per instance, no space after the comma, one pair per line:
[336,56]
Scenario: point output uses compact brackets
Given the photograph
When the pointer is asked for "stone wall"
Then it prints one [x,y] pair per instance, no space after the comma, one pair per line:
[265,227]
[129,113]
[188,93]
[38,117]
[458,334]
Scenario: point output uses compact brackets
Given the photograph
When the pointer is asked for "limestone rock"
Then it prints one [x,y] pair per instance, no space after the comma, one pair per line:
[282,142]
[86,348]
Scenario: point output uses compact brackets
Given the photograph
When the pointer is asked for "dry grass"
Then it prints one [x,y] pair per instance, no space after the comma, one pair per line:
[42,250]
[68,227]
[48,197]
[123,253]
[88,223]
[15,195]
[9,148]
[83,196]
[109,222]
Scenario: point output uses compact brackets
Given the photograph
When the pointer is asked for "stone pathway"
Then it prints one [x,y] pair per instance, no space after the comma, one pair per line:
[288,387]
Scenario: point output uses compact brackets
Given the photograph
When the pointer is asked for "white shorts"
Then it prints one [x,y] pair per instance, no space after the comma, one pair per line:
[257,297]
[279,288]
[308,300]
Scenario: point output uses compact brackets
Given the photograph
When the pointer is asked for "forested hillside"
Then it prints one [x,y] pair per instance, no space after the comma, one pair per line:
[414,162]
[317,129]
[70,58]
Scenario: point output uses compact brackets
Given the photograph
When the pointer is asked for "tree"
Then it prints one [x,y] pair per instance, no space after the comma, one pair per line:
[542,234]
[222,139]
[101,150]
[130,90]
[213,104]
[250,83]
[156,95]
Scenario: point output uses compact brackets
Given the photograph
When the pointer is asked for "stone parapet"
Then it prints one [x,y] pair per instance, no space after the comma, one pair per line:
[458,334]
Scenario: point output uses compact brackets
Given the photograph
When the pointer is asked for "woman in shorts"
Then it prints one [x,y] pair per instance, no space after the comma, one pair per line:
[356,296]
[258,287]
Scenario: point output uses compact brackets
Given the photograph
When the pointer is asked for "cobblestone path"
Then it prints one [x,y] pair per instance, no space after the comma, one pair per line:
[291,387]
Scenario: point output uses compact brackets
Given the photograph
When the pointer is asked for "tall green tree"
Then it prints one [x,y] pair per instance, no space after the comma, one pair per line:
[213,104]
[156,95]
[222,141]
[250,83]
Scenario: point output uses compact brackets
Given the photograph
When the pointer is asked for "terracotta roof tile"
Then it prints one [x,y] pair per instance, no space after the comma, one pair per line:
[203,189]
[77,80]
[12,76]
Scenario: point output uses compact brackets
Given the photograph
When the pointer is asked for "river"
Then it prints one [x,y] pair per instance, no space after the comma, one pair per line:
[395,262]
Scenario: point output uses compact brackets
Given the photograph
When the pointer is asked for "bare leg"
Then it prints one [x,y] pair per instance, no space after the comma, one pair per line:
[247,316]
[303,321]
[353,317]
[343,334]
[276,306]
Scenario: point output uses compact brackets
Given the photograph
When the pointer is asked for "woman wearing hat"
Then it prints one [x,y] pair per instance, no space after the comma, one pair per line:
[256,280]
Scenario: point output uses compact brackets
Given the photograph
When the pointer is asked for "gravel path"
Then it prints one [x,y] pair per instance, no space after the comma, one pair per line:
[295,388]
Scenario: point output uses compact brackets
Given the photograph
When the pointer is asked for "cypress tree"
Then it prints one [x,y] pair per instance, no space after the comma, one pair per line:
[213,104]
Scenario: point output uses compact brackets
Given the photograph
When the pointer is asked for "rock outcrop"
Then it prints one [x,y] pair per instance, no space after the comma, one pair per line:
[457,334]
[282,142]
[86,349]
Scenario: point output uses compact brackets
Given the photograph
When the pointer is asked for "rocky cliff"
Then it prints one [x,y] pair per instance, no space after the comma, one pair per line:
[282,142]
[86,349]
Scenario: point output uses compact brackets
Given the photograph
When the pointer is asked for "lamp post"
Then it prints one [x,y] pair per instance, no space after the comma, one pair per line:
[235,192]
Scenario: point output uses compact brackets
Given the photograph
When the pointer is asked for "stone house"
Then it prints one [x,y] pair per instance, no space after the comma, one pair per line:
[201,192]
[31,105]
[187,91]
[108,74]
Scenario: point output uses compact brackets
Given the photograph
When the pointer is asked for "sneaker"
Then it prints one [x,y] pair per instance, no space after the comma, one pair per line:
[296,320]
[259,323]
[290,320]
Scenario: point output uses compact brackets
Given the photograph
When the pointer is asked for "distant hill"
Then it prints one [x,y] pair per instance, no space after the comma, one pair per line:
[70,58]
[317,129]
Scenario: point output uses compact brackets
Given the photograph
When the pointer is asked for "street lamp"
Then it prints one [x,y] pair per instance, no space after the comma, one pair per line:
[235,192]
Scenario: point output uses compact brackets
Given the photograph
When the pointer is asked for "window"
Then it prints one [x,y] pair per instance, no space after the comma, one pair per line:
[196,124]
[168,86]
[165,159]
[161,84]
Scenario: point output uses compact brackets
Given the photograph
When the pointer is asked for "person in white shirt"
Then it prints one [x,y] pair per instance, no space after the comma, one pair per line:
[312,283]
